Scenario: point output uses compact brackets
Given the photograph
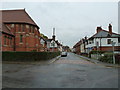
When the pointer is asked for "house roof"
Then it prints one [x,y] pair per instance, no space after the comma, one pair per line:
[104,34]
[49,40]
[16,16]
[77,44]
[59,44]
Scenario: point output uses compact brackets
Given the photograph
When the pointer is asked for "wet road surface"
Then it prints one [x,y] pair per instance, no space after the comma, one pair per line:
[67,72]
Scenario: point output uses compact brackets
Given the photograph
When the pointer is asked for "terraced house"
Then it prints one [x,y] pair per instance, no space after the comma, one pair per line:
[102,40]
[19,31]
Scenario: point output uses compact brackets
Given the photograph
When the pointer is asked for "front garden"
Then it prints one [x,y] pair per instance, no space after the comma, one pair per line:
[105,56]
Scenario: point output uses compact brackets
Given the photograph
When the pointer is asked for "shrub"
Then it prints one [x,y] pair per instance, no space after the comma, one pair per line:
[108,57]
[95,52]
[117,58]
[84,54]
[28,56]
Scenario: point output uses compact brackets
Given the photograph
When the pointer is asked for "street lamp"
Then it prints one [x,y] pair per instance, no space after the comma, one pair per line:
[97,44]
[113,44]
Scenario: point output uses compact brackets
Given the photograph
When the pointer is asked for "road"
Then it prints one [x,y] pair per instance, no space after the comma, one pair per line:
[67,72]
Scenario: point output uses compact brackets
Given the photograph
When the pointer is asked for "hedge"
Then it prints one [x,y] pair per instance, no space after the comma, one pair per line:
[28,56]
[108,57]
[95,52]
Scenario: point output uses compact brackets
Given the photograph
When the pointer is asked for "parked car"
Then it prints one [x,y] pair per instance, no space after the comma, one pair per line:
[63,54]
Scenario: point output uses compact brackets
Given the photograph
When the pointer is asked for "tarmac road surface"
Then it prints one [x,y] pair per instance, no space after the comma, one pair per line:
[67,72]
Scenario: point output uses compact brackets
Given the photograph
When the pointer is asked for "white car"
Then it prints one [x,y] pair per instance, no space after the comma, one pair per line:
[63,54]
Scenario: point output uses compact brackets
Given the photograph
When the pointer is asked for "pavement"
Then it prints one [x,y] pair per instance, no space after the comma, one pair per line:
[99,62]
[61,72]
[54,59]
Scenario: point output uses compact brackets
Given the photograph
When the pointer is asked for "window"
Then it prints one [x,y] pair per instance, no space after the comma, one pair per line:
[118,39]
[11,41]
[52,44]
[109,41]
[21,38]
[89,42]
[93,41]
[8,40]
[4,40]
[22,27]
[33,29]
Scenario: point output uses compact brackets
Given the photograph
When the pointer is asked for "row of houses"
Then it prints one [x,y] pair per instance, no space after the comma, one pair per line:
[102,40]
[18,32]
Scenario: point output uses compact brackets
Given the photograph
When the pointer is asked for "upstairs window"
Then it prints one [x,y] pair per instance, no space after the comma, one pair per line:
[22,27]
[89,42]
[109,41]
[93,41]
[21,38]
[53,44]
[30,28]
[33,29]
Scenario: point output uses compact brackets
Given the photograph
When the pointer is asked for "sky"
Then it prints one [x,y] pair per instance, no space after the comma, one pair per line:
[72,20]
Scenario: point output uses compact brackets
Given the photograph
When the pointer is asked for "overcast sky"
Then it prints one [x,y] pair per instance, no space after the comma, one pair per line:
[72,20]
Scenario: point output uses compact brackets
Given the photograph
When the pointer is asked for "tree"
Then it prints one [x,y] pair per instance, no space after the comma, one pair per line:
[42,35]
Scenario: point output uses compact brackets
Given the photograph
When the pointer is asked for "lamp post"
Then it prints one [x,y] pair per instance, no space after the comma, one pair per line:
[113,44]
[97,44]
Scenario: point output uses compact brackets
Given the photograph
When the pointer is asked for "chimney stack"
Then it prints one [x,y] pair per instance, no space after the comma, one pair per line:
[110,28]
[85,37]
[99,29]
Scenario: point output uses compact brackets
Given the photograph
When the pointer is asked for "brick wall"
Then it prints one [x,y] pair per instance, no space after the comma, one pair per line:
[26,38]
[54,49]
[7,42]
[108,48]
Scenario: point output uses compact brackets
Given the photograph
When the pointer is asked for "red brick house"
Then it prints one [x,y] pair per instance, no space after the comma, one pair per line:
[77,47]
[19,31]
